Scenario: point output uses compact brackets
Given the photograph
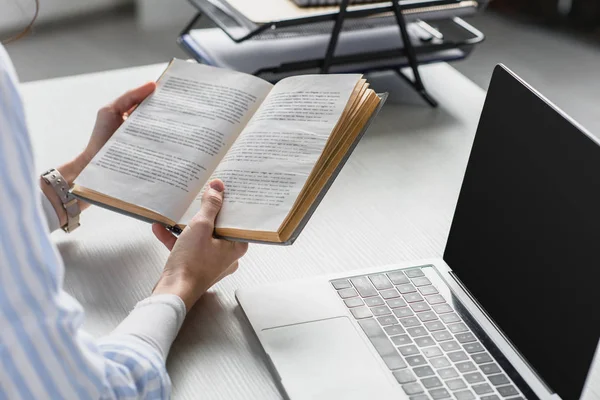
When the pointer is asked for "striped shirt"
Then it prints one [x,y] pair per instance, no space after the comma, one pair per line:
[44,354]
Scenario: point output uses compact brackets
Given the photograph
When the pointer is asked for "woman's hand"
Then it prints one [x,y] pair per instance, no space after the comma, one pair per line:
[198,260]
[109,119]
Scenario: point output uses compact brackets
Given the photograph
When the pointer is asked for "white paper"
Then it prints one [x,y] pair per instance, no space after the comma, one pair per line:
[166,150]
[266,168]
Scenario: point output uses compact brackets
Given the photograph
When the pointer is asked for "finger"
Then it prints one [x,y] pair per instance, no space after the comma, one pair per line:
[132,98]
[230,270]
[240,248]
[212,199]
[165,237]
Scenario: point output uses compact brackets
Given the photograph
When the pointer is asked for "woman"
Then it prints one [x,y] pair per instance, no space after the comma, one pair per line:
[43,351]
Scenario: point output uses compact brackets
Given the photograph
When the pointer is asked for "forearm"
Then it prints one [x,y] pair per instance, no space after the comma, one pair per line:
[155,320]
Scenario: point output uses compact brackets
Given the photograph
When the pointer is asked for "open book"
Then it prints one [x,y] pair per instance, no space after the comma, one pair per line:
[277,148]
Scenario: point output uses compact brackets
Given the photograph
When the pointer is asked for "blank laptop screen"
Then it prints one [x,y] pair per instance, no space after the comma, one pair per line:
[525,239]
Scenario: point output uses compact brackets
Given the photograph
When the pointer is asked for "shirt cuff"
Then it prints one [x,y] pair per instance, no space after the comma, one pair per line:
[156,320]
[49,213]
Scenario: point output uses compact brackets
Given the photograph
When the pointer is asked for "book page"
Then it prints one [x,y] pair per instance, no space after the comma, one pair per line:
[266,168]
[166,150]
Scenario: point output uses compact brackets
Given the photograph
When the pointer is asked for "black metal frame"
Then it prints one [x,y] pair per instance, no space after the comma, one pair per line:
[330,59]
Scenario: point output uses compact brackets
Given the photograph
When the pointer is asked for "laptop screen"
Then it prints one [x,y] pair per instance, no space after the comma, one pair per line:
[525,239]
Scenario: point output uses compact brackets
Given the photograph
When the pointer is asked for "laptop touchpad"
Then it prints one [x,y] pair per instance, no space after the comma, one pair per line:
[321,359]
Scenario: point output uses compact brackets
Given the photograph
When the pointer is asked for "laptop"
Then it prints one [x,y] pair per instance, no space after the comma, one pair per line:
[511,311]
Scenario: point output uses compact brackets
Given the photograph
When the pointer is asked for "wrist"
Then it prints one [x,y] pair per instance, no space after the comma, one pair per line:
[181,286]
[69,171]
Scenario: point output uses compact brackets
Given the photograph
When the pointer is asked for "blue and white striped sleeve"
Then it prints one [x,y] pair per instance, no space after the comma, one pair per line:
[43,351]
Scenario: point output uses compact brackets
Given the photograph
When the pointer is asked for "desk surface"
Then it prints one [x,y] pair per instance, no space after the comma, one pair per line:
[393,201]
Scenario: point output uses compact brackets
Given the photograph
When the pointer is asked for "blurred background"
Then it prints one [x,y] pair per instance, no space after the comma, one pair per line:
[552,44]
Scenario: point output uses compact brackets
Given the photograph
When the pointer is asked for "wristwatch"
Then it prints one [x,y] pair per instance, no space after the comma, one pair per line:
[69,202]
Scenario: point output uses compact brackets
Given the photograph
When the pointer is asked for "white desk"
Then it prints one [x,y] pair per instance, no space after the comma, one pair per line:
[393,201]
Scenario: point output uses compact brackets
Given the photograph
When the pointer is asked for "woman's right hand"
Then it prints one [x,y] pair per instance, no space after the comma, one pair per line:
[198,260]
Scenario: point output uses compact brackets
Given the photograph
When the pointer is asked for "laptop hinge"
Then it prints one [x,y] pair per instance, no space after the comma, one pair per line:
[499,331]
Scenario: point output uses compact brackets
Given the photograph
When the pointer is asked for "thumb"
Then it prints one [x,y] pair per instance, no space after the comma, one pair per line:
[212,200]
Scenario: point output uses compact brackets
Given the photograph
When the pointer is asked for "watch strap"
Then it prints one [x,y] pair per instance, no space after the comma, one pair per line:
[69,202]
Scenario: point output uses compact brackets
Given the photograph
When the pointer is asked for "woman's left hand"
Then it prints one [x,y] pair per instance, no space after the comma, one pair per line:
[108,120]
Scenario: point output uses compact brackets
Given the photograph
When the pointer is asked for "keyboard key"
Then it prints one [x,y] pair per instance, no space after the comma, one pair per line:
[506,391]
[423,371]
[404,376]
[371,328]
[361,312]
[415,361]
[498,380]
[406,288]
[380,282]
[456,328]
[403,312]
[433,351]
[412,388]
[490,369]
[398,278]
[422,281]
[481,358]
[435,299]
[382,344]
[442,308]
[465,337]
[456,384]
[420,306]
[439,394]
[425,290]
[474,347]
[410,321]
[439,362]
[431,382]
[341,284]
[449,346]
[381,310]
[385,320]
[464,395]
[374,301]
[474,377]
[347,293]
[409,350]
[401,340]
[417,331]
[389,294]
[364,286]
[413,297]
[492,397]
[442,335]
[433,326]
[447,373]
[419,397]
[458,356]
[395,303]
[354,302]
[427,316]
[482,388]
[466,366]
[450,318]
[394,330]
[424,341]
[414,273]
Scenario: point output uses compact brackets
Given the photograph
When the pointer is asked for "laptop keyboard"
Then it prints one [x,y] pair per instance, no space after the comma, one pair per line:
[426,345]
